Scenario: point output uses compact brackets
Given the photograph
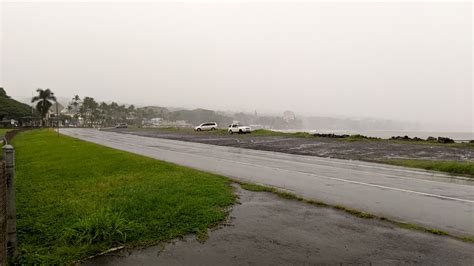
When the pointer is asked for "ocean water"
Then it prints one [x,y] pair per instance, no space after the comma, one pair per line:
[458,136]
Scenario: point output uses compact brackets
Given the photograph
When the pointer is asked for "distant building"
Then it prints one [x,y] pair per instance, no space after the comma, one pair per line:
[289,116]
[70,111]
[8,123]
[30,121]
[56,107]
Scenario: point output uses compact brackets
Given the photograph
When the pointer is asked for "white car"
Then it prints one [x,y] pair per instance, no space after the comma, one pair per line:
[121,125]
[206,126]
[236,128]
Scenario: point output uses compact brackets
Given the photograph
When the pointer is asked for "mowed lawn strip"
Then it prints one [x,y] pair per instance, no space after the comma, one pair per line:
[3,131]
[76,199]
[452,167]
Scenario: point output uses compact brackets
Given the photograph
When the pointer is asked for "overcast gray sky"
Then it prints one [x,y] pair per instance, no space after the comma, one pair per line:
[395,60]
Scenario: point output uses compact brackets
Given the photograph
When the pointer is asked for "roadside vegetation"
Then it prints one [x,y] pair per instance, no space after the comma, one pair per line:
[461,168]
[291,196]
[76,199]
[359,138]
[434,143]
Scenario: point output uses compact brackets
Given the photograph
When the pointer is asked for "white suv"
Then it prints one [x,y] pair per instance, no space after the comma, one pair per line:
[206,126]
[236,128]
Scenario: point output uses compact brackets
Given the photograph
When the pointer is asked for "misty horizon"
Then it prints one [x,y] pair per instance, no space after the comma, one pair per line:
[404,125]
[395,61]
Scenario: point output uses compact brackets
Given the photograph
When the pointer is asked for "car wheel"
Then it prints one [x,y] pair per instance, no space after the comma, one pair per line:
[212,129]
[198,129]
[231,132]
[240,131]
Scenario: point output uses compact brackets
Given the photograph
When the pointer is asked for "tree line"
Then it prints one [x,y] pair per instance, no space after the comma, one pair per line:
[92,113]
[88,112]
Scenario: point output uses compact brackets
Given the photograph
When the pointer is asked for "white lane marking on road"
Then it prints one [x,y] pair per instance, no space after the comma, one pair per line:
[310,174]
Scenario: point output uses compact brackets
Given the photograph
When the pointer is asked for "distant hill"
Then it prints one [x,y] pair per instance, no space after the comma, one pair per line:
[194,117]
[12,109]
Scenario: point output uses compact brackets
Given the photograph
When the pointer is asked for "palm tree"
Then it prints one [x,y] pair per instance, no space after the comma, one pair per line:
[43,99]
[75,101]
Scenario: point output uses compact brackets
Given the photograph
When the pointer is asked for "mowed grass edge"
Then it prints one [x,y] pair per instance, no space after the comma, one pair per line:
[450,167]
[76,199]
[360,214]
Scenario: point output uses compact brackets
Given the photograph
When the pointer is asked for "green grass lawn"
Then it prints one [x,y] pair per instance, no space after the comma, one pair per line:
[76,199]
[4,130]
[462,168]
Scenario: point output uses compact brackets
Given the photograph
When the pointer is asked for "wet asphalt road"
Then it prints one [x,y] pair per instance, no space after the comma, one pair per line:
[430,199]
